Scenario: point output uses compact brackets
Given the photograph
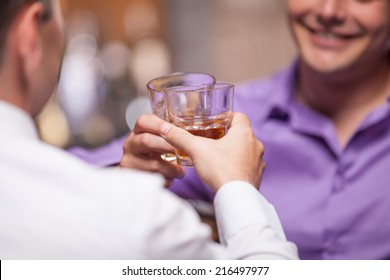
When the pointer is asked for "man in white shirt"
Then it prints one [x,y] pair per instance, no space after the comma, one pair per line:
[52,206]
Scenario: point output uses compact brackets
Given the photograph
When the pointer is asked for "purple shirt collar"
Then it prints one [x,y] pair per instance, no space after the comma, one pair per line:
[283,105]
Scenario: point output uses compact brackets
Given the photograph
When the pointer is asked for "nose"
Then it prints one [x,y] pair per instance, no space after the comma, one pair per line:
[331,12]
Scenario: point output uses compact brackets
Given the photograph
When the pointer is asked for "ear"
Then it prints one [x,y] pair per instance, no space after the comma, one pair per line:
[28,37]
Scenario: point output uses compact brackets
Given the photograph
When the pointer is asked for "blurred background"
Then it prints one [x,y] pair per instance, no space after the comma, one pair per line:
[115,47]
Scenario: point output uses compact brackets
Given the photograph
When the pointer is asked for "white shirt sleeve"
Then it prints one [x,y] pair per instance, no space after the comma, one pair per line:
[249,228]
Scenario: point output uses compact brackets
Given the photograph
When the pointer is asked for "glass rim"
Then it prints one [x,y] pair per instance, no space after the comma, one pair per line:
[198,87]
[174,74]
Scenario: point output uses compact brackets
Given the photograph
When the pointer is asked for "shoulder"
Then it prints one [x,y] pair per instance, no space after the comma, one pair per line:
[43,162]
[94,209]
[128,180]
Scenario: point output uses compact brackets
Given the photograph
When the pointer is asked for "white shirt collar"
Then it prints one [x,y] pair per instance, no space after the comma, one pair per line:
[14,122]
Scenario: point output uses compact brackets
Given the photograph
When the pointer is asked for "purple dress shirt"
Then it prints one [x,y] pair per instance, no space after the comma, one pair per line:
[107,155]
[333,202]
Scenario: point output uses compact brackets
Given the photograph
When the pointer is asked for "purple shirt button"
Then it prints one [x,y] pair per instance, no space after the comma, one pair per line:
[339,183]
[333,248]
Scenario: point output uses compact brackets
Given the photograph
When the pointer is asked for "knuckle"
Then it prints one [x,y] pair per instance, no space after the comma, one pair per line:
[143,140]
[127,144]
[174,132]
[261,147]
[142,120]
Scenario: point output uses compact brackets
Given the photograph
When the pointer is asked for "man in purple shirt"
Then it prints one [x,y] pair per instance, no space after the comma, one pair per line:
[325,124]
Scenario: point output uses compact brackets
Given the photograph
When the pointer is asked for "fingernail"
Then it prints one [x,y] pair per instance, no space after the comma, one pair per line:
[165,129]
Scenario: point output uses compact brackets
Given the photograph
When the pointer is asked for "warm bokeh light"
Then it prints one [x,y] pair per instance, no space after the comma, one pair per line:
[115,47]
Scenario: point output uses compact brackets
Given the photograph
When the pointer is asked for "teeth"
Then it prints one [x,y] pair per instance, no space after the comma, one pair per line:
[327,35]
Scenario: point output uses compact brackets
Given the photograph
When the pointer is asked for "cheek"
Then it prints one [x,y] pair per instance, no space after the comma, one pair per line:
[297,8]
[297,11]
[378,30]
[375,19]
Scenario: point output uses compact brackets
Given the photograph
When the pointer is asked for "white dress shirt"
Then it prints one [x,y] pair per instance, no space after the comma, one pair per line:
[53,206]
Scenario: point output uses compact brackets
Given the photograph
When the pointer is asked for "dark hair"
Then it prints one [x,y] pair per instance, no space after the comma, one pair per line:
[9,10]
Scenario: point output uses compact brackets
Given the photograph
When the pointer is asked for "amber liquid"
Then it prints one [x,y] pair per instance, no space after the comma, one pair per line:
[216,131]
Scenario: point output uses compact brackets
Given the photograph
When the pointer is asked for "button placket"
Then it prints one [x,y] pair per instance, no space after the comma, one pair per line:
[340,180]
[339,183]
[333,247]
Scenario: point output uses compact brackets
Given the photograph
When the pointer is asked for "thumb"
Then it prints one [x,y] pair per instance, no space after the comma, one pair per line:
[177,137]
[240,119]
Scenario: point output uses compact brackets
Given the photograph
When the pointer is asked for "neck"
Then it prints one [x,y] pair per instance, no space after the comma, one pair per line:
[346,98]
[12,89]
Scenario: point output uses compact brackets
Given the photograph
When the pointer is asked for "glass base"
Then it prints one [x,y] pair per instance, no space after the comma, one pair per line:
[169,157]
[184,161]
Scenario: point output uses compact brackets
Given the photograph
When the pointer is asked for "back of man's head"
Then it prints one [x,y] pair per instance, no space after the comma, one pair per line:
[9,9]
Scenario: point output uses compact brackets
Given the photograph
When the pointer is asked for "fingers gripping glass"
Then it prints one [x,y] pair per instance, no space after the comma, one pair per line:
[155,90]
[202,110]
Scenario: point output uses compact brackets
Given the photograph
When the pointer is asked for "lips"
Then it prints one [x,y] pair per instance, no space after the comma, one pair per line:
[329,38]
[332,34]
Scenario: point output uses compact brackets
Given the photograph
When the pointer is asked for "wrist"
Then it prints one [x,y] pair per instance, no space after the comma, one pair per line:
[237,183]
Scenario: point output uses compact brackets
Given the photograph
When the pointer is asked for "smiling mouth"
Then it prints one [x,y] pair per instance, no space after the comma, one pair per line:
[330,35]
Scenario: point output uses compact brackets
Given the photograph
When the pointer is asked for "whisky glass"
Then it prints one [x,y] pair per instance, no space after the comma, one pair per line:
[202,110]
[156,86]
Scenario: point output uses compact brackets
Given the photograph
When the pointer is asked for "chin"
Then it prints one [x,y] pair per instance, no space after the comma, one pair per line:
[327,68]
[328,64]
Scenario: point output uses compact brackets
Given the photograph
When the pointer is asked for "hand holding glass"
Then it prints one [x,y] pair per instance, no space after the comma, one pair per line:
[156,86]
[202,110]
